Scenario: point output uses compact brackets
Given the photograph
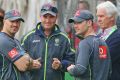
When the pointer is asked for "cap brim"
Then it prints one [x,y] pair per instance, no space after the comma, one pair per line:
[16,18]
[48,12]
[75,19]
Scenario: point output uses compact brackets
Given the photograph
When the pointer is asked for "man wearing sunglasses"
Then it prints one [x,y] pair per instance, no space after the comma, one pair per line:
[49,44]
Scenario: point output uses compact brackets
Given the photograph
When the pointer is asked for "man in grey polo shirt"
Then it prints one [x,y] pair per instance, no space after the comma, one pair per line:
[14,60]
[93,58]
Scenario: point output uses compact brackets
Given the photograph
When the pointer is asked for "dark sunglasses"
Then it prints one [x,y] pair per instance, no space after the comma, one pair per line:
[49,8]
[1,17]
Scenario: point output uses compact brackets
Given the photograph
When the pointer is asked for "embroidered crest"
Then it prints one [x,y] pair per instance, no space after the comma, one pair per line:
[57,41]
[16,13]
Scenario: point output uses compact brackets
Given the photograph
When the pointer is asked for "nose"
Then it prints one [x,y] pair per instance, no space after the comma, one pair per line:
[75,25]
[16,23]
[98,19]
[47,19]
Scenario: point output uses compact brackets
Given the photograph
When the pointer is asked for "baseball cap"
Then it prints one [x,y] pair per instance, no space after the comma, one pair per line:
[13,15]
[81,16]
[48,8]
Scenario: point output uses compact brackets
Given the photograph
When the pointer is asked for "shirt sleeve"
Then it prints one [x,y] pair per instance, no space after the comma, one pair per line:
[82,62]
[11,49]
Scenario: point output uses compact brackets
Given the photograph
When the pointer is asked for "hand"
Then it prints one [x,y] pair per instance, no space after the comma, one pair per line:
[36,64]
[70,67]
[56,64]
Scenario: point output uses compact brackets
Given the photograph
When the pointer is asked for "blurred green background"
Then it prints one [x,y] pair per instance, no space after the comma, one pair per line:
[68,77]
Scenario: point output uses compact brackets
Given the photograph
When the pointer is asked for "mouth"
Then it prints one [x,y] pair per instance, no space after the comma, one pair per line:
[15,29]
[77,30]
[100,23]
[47,24]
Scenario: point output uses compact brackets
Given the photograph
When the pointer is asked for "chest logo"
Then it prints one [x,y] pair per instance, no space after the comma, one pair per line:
[102,52]
[57,42]
[35,41]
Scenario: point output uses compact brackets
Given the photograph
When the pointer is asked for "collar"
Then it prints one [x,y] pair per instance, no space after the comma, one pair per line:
[40,30]
[107,32]
[7,35]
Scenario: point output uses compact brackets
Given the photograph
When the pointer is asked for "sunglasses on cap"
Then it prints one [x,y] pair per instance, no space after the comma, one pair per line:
[49,8]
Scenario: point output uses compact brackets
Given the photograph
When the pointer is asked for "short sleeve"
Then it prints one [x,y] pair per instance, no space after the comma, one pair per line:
[11,49]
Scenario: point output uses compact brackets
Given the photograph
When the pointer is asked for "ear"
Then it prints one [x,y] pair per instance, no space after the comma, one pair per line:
[112,18]
[89,22]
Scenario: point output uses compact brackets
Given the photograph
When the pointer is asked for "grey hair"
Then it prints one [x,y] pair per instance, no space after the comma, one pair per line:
[110,8]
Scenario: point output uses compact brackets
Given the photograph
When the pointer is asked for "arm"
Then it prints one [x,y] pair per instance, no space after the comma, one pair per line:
[26,63]
[16,54]
[82,60]
[68,57]
[23,63]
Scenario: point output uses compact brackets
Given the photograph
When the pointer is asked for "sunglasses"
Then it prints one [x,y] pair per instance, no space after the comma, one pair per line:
[1,17]
[49,8]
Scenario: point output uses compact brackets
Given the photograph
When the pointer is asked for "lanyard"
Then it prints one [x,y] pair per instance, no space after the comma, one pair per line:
[107,34]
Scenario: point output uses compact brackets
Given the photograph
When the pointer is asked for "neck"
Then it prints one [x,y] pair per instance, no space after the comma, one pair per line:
[9,34]
[89,32]
[47,33]
[110,24]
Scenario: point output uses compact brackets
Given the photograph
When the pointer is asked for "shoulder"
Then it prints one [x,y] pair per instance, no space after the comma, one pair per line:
[28,35]
[4,38]
[64,36]
[5,41]
[118,31]
[115,35]
[91,41]
[85,42]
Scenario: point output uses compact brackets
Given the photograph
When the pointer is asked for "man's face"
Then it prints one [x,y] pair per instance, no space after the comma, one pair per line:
[103,19]
[80,27]
[11,27]
[48,21]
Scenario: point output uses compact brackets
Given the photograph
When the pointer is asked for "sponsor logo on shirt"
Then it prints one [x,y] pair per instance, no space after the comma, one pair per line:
[102,52]
[34,41]
[13,53]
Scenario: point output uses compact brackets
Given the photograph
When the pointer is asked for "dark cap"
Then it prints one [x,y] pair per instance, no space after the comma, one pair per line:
[81,16]
[48,8]
[13,15]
